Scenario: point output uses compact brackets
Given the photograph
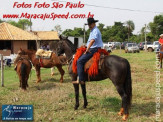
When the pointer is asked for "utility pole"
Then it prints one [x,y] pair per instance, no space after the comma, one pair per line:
[2,71]
[145,38]
[30,25]
[84,32]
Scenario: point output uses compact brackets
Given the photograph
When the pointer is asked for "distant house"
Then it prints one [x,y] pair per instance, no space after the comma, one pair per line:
[13,38]
[77,41]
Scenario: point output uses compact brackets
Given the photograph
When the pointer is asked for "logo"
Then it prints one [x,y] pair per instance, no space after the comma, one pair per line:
[17,112]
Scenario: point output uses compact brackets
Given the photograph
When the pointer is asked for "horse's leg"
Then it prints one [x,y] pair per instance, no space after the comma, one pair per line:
[38,74]
[83,86]
[161,57]
[76,88]
[62,72]
[121,93]
[20,83]
[52,71]
[27,81]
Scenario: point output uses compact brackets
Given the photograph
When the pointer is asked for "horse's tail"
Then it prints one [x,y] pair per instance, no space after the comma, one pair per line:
[128,86]
[23,74]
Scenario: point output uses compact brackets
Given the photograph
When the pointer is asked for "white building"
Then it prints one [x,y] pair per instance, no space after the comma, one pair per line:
[77,41]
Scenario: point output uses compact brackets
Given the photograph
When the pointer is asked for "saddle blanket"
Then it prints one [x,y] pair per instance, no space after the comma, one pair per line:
[92,65]
[43,54]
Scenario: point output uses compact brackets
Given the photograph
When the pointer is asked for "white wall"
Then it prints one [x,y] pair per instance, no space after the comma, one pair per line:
[80,40]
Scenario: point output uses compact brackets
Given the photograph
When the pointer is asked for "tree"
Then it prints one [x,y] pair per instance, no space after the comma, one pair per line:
[25,23]
[1,21]
[58,29]
[77,32]
[156,27]
[22,23]
[130,27]
[14,23]
[67,32]
[101,27]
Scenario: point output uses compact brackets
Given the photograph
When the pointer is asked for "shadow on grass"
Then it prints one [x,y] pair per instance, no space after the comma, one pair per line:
[53,80]
[114,104]
[45,86]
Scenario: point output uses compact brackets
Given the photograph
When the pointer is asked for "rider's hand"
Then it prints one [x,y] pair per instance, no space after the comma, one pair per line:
[87,51]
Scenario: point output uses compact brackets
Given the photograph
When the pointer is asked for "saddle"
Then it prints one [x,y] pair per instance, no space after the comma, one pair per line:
[20,58]
[43,54]
[93,64]
[89,63]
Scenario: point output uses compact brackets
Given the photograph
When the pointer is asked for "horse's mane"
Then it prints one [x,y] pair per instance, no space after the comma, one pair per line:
[71,45]
[18,58]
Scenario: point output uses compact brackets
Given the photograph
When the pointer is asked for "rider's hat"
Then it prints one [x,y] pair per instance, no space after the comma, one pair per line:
[91,20]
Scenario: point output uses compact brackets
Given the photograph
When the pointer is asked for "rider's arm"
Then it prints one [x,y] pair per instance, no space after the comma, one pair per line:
[90,44]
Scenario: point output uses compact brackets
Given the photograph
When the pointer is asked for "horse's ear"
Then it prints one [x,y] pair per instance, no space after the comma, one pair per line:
[20,48]
[66,37]
[60,37]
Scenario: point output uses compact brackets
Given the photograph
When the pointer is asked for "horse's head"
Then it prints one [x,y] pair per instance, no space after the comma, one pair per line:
[21,52]
[61,45]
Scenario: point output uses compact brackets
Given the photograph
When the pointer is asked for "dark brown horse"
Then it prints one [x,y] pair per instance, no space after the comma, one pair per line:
[23,68]
[46,63]
[115,68]
[161,56]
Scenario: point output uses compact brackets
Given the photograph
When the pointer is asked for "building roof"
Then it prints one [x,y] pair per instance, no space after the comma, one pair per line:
[47,35]
[10,32]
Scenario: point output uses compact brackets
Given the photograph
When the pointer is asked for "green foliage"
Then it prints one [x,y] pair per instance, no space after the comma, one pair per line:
[130,27]
[22,23]
[77,32]
[123,31]
[156,27]
[1,21]
[117,32]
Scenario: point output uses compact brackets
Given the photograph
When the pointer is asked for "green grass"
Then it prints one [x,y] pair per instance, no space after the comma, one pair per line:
[55,101]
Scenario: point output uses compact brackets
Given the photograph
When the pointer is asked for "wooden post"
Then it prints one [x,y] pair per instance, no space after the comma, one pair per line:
[2,72]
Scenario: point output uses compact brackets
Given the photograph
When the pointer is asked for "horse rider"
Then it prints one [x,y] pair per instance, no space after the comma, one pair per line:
[161,41]
[93,44]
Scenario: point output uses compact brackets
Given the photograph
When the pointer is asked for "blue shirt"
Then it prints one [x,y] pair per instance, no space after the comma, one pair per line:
[95,34]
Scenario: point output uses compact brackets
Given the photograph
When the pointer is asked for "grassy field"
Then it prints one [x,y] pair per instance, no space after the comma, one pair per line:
[54,101]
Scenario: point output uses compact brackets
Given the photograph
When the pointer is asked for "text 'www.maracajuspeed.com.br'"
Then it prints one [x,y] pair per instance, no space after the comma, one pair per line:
[52,16]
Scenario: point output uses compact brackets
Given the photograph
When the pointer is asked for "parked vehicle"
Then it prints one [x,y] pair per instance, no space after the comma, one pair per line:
[131,47]
[111,44]
[117,45]
[153,46]
[123,45]
[141,45]
[106,47]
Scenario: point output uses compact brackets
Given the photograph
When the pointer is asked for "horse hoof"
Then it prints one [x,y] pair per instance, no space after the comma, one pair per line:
[124,118]
[120,113]
[76,107]
[38,81]
[85,105]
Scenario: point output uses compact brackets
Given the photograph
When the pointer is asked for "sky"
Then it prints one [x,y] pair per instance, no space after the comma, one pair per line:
[106,11]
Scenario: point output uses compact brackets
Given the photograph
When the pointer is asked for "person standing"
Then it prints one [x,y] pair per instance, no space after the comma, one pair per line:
[161,41]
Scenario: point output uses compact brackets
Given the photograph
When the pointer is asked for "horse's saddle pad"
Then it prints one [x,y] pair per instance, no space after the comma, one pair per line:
[89,63]
[43,54]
